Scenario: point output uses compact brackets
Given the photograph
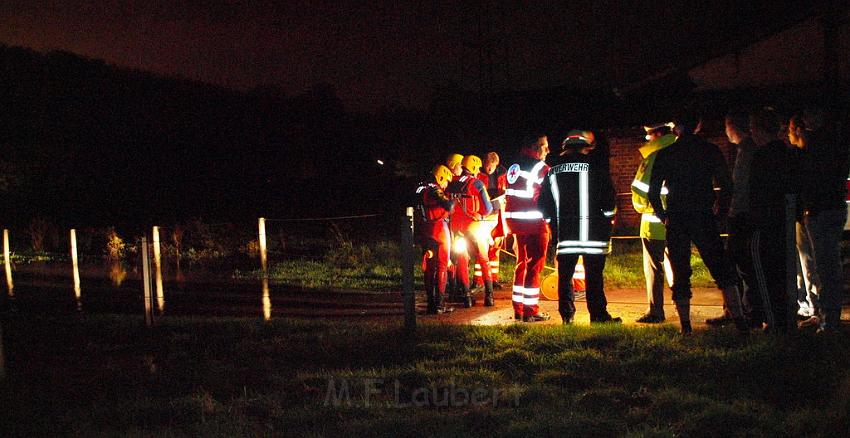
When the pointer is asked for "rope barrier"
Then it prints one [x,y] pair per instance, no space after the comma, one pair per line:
[322,218]
[514,256]
[638,237]
[612,237]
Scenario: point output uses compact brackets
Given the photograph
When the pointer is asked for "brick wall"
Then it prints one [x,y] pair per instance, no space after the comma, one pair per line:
[625,160]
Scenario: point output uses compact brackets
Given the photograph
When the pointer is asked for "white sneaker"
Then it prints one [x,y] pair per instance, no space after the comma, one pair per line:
[805,310]
[812,321]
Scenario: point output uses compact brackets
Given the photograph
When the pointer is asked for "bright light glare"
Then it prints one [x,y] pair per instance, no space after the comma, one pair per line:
[460,245]
[381,162]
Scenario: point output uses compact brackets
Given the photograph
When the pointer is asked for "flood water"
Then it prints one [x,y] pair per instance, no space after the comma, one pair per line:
[43,290]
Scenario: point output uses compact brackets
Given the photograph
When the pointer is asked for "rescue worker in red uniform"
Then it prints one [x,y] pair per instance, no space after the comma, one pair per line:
[432,231]
[578,200]
[495,179]
[525,220]
[453,164]
[470,227]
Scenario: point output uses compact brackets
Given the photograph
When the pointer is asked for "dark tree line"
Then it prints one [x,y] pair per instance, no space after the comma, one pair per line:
[84,143]
[87,142]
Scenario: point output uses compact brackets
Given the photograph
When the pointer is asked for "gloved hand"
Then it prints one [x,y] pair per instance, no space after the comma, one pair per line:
[452,204]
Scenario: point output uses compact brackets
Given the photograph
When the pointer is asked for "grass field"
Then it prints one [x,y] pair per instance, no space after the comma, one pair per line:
[103,375]
[377,268]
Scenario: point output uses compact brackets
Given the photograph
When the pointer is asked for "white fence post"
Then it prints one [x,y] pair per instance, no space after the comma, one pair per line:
[263,254]
[408,297]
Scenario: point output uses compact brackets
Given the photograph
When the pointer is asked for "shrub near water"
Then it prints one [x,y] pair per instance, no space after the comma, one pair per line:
[371,267]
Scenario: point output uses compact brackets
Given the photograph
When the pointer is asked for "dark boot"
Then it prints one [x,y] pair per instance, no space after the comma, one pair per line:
[742,325]
[488,294]
[684,310]
[732,299]
[431,294]
[439,296]
[686,328]
[464,297]
[441,307]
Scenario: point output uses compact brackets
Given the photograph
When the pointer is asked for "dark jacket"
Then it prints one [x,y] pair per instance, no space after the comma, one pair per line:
[825,170]
[690,168]
[579,201]
[773,174]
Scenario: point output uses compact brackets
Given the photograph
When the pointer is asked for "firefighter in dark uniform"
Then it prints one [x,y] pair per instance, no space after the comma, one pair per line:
[470,228]
[432,231]
[525,221]
[579,202]
[690,168]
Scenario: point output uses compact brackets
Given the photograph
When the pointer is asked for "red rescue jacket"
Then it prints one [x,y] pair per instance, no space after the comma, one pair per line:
[473,201]
[524,179]
[432,212]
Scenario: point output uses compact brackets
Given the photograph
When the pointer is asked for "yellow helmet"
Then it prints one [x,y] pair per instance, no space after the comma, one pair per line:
[442,174]
[453,160]
[472,164]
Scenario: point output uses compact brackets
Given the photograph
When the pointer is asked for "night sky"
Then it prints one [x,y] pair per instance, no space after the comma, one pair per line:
[381,53]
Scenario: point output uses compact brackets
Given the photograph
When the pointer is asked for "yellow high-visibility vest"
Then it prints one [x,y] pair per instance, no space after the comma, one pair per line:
[650,226]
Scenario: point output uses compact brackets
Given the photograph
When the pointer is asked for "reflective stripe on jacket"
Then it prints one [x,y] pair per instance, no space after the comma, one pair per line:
[579,200]
[522,214]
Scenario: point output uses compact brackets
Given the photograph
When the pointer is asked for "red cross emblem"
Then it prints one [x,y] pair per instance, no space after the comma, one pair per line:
[513,173]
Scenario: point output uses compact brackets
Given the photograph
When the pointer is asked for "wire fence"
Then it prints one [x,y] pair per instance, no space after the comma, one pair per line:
[234,246]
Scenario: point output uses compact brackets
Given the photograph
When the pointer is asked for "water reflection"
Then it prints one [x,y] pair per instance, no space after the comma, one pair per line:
[146,283]
[76,267]
[267,302]
[262,242]
[8,262]
[117,273]
[179,276]
[157,264]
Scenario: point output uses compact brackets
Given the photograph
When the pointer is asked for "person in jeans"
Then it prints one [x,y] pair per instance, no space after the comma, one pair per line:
[773,176]
[825,211]
[806,274]
[738,224]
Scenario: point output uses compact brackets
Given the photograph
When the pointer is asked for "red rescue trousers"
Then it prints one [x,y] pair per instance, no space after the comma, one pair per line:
[530,259]
[477,246]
